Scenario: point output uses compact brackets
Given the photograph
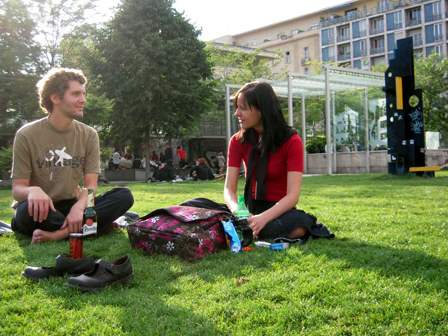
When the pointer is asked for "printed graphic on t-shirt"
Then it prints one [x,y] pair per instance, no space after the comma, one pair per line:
[53,162]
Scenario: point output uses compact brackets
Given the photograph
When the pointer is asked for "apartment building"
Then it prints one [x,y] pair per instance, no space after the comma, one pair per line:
[297,39]
[359,34]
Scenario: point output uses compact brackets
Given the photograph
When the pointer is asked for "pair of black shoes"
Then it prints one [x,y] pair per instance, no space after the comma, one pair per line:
[88,275]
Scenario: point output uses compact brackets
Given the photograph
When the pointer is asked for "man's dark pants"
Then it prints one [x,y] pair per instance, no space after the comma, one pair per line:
[108,207]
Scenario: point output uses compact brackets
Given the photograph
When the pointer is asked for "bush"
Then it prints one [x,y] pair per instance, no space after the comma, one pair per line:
[316,145]
[5,159]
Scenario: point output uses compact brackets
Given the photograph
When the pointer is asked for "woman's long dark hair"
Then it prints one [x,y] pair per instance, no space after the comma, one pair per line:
[261,96]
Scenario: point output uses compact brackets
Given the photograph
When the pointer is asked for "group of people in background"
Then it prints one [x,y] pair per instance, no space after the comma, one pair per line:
[163,164]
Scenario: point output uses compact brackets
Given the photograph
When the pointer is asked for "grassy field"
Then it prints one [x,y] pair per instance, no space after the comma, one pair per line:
[385,273]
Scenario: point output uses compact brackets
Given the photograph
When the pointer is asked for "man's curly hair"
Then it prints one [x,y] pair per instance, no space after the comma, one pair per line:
[57,81]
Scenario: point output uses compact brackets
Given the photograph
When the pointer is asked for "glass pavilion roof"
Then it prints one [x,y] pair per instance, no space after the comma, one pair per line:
[341,80]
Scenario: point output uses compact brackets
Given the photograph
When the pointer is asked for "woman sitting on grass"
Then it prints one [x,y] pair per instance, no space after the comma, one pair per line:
[201,171]
[272,153]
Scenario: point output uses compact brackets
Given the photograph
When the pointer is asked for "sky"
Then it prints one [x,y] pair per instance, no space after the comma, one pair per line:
[219,18]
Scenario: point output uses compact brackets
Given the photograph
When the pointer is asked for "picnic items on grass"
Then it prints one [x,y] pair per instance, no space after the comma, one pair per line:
[184,231]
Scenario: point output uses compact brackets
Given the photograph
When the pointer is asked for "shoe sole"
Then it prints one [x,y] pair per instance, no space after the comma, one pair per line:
[26,275]
[123,281]
[32,277]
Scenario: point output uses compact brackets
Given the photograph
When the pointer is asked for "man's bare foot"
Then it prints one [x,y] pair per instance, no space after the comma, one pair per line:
[40,236]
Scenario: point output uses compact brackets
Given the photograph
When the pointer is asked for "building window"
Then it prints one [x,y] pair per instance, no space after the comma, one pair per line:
[281,35]
[307,52]
[377,26]
[438,35]
[382,5]
[344,31]
[314,26]
[362,28]
[307,71]
[344,50]
[254,42]
[415,14]
[378,23]
[267,39]
[244,44]
[351,14]
[437,10]
[331,55]
[438,49]
[288,57]
[344,34]
[331,35]
[363,47]
[378,43]
[417,39]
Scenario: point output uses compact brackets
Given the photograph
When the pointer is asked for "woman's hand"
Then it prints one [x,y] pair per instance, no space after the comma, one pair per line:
[257,223]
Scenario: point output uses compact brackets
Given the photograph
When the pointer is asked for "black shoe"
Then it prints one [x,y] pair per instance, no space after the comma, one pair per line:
[5,228]
[63,265]
[104,274]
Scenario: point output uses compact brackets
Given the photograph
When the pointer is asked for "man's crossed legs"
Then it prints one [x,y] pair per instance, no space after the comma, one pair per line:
[108,207]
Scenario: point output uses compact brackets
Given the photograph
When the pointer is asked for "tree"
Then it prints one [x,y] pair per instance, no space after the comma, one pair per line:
[235,65]
[78,50]
[19,67]
[431,76]
[238,66]
[156,69]
[57,18]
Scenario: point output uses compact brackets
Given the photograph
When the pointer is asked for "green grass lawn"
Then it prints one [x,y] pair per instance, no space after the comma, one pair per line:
[385,273]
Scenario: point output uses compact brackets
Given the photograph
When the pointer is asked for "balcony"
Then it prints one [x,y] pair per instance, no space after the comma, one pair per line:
[305,60]
[373,11]
[375,31]
[344,57]
[362,33]
[434,17]
[363,52]
[438,38]
[330,40]
[398,25]
[413,22]
[375,51]
[343,38]
[331,59]
[418,41]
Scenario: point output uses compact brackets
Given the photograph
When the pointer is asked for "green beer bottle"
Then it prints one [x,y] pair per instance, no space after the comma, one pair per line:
[241,210]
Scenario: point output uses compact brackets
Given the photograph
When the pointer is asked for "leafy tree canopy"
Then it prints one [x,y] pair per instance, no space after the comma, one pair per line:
[56,19]
[156,69]
[236,65]
[19,67]
[431,76]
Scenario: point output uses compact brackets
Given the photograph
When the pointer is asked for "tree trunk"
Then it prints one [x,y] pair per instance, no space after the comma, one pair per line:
[148,158]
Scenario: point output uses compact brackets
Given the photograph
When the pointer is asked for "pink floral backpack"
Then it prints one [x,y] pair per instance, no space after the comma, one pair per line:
[185,231]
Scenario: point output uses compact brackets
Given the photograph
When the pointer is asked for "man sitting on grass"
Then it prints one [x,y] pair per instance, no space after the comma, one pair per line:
[50,157]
